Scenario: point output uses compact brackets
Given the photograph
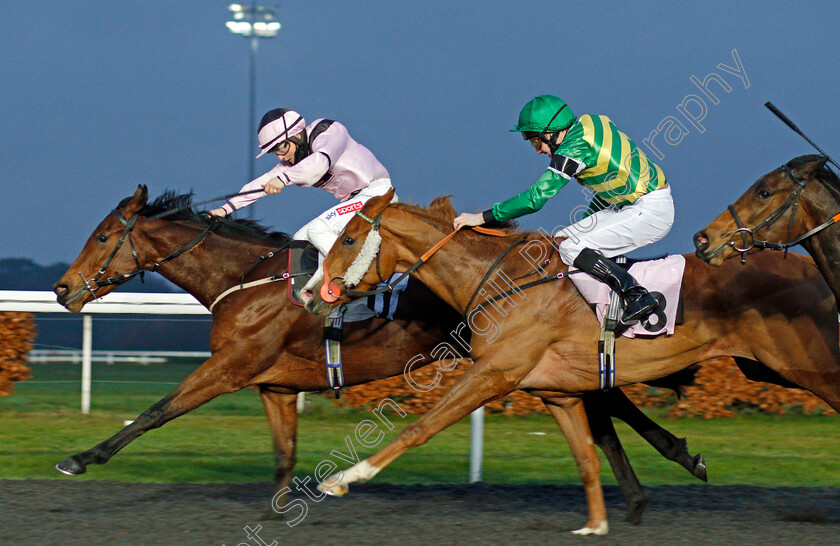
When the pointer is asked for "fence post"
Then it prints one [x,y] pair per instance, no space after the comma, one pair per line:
[476,443]
[87,346]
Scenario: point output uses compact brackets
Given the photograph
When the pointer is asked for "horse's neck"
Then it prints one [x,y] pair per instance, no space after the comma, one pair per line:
[824,248]
[209,268]
[454,272]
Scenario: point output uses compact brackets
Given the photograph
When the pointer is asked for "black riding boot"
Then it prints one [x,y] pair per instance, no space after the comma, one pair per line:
[638,303]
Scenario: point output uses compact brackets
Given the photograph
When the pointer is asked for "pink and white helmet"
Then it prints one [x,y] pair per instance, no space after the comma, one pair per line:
[278,125]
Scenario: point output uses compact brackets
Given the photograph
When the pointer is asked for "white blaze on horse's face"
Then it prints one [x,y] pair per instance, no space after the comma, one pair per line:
[361,264]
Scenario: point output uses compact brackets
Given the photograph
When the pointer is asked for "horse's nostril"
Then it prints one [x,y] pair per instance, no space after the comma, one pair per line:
[60,289]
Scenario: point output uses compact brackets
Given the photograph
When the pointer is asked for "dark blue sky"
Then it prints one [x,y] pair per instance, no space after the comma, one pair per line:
[100,96]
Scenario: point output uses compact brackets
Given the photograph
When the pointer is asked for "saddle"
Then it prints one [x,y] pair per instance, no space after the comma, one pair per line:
[663,278]
[303,262]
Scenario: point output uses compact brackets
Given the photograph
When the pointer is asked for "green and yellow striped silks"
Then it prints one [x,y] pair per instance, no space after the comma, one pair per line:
[616,169]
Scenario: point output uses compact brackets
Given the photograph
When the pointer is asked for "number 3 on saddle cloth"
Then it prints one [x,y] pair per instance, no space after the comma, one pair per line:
[303,261]
[662,278]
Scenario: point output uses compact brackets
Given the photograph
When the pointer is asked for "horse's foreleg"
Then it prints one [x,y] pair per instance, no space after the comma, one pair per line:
[671,447]
[606,438]
[470,391]
[571,416]
[281,410]
[199,387]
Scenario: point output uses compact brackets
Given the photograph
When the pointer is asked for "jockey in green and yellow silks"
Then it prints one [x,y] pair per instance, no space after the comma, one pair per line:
[631,205]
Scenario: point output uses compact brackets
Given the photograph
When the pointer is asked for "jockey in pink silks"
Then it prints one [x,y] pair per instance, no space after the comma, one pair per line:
[320,155]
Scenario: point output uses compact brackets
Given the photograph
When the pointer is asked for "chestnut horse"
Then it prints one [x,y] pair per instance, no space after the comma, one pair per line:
[798,203]
[259,339]
[777,315]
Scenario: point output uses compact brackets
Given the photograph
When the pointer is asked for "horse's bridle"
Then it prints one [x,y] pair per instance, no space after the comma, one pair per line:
[331,290]
[748,237]
[96,282]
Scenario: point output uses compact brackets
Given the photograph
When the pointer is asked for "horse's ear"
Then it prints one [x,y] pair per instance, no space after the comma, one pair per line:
[376,205]
[811,168]
[138,201]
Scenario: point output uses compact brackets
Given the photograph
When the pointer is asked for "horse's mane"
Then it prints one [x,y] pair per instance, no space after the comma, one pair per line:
[181,204]
[441,210]
[824,174]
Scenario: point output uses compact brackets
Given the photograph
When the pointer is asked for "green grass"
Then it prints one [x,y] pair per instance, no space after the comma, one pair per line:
[228,440]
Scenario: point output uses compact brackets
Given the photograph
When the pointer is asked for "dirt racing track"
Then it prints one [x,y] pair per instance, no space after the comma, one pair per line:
[70,512]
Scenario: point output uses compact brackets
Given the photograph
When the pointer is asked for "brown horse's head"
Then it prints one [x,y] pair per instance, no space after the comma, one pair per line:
[778,207]
[355,261]
[100,256]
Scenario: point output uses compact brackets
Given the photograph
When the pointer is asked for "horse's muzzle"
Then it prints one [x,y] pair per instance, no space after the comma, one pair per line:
[317,306]
[701,245]
[66,297]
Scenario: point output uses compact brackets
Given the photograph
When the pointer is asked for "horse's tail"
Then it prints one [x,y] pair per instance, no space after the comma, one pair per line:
[677,381]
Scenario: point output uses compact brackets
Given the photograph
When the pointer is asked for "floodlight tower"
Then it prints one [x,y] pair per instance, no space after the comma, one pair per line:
[252,21]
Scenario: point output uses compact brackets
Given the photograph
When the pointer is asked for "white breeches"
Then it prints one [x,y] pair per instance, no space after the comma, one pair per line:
[324,229]
[615,232]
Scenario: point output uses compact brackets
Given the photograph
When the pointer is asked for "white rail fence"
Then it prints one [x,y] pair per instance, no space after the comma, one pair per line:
[114,303]
[112,357]
[164,304]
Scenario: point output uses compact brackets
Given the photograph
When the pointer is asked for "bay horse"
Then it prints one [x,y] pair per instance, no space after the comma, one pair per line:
[798,203]
[259,339]
[777,316]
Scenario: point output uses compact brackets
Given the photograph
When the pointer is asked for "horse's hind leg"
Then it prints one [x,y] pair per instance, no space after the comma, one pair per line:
[281,410]
[199,387]
[671,447]
[606,438]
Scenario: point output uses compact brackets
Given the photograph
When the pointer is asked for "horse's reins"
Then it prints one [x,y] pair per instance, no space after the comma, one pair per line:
[94,283]
[331,291]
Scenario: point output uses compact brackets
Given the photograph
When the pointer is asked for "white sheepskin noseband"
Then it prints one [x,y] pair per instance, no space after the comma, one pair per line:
[364,259]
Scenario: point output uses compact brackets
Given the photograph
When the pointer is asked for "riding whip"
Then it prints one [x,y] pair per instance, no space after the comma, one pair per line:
[796,129]
[220,198]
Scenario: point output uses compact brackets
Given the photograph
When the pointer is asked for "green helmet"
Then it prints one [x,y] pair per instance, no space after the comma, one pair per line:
[544,114]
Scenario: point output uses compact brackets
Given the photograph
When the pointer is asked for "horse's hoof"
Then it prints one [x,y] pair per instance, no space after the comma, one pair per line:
[700,467]
[335,490]
[635,510]
[601,530]
[71,466]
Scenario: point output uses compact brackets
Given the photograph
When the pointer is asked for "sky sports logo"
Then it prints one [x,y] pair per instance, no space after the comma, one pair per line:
[353,207]
[344,209]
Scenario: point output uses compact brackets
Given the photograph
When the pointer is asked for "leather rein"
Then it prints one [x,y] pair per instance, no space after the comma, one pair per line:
[93,284]
[748,238]
[331,290]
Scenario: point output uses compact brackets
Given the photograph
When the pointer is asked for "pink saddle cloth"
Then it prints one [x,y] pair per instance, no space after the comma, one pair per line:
[662,278]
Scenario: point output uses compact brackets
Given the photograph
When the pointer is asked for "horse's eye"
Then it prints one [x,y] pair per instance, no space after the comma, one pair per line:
[764,194]
[348,241]
[101,238]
